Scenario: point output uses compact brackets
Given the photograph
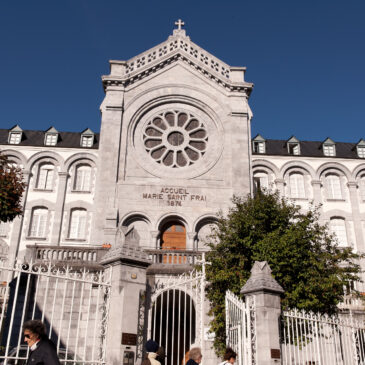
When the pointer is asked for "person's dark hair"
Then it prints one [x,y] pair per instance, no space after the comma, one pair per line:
[35,326]
[229,354]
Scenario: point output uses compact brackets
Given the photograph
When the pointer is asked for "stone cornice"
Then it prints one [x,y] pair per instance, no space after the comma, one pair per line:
[177,48]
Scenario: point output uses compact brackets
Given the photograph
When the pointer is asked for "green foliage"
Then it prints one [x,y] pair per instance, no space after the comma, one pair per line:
[304,257]
[11,190]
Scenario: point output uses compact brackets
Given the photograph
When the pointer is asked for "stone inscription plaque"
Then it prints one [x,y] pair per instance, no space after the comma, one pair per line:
[174,197]
[129,339]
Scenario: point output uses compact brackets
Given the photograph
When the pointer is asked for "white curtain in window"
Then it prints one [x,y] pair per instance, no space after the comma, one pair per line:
[45,177]
[329,150]
[87,141]
[51,139]
[78,224]
[296,183]
[38,222]
[333,185]
[83,175]
[338,227]
[261,180]
[362,187]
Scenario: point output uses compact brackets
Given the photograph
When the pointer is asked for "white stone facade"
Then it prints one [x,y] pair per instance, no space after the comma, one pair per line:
[175,145]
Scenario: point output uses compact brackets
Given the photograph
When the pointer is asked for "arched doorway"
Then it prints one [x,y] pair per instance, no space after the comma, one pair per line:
[173,324]
[173,238]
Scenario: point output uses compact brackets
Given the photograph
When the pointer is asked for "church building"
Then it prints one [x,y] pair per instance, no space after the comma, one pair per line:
[141,196]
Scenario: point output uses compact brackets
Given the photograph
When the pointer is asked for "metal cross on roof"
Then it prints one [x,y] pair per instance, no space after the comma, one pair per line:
[179,24]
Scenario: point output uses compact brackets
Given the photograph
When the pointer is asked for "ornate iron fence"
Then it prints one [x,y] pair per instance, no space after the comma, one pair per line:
[314,339]
[73,304]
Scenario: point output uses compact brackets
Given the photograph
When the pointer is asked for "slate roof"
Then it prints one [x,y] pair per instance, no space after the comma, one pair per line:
[36,138]
[278,147]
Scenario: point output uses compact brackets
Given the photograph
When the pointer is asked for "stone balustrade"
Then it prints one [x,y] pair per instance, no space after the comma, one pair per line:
[90,255]
[174,257]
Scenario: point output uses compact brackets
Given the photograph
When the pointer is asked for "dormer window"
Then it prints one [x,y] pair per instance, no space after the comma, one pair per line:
[329,148]
[15,135]
[360,147]
[293,146]
[87,138]
[51,137]
[258,144]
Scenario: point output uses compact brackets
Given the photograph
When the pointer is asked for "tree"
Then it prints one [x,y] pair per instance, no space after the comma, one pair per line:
[304,257]
[11,190]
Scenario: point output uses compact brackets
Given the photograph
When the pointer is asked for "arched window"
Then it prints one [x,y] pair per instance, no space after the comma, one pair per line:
[45,177]
[333,186]
[338,227]
[173,236]
[82,178]
[362,187]
[77,229]
[261,181]
[297,188]
[38,222]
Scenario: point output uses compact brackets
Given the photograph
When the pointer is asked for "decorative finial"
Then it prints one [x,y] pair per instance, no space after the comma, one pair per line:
[179,24]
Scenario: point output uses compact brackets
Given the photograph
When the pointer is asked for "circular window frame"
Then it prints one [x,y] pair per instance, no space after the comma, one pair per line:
[212,152]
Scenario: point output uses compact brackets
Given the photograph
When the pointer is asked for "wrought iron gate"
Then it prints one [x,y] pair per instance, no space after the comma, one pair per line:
[240,328]
[176,314]
[73,304]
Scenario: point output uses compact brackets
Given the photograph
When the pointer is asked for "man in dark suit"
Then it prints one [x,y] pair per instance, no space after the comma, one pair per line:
[42,350]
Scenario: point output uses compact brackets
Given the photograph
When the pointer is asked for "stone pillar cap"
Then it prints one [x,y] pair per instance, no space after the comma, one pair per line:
[261,280]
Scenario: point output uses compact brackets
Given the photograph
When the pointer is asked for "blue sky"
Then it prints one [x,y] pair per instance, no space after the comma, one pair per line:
[306,58]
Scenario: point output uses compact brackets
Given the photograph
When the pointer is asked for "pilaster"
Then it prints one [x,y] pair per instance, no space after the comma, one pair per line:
[279,183]
[58,214]
[317,196]
[352,186]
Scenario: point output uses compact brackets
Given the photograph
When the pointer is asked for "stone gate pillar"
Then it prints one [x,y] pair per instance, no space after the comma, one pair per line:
[128,278]
[266,292]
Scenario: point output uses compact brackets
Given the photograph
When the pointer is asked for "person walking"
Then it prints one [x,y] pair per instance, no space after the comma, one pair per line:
[42,350]
[195,356]
[151,348]
[229,357]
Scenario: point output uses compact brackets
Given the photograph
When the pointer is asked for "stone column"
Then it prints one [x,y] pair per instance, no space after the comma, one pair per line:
[60,203]
[266,292]
[280,186]
[317,196]
[190,244]
[352,185]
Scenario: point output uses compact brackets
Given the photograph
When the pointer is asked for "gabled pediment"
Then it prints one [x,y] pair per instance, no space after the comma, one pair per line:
[52,130]
[178,47]
[16,128]
[87,131]
[259,138]
[292,139]
[329,141]
[361,143]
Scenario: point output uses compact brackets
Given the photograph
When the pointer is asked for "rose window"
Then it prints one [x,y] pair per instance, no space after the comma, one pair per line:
[175,139]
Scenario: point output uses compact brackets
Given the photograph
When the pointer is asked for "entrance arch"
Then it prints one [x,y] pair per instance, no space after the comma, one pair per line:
[173,236]
[173,324]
